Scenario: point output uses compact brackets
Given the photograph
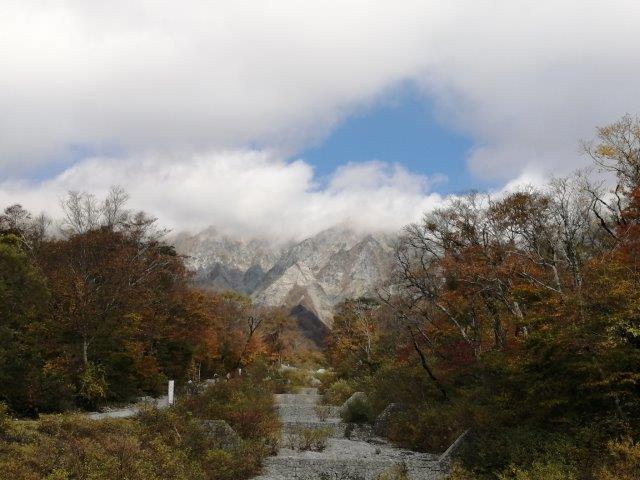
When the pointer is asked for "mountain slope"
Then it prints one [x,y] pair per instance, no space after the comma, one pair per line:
[317,273]
[225,263]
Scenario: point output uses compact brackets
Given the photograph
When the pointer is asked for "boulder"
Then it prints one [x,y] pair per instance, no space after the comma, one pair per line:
[356,397]
[446,458]
[381,424]
[360,432]
[225,437]
[145,399]
[356,409]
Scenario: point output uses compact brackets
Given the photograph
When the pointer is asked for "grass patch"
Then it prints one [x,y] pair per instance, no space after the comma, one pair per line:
[309,439]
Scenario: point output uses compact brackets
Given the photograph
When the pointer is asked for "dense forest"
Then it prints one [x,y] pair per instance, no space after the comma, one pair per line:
[517,318]
[102,310]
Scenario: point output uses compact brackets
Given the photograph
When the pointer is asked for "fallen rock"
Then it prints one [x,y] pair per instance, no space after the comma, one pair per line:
[225,437]
[446,458]
[353,399]
[356,409]
[145,399]
[381,424]
[358,431]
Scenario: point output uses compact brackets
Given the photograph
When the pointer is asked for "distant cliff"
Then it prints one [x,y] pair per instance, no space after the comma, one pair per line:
[317,273]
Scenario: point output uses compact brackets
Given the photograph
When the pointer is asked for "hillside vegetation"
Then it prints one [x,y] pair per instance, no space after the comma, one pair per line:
[104,311]
[177,443]
[516,317]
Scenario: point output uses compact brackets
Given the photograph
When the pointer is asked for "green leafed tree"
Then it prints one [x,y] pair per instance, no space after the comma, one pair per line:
[28,380]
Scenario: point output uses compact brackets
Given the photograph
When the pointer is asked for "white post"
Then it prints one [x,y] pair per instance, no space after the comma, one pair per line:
[171,386]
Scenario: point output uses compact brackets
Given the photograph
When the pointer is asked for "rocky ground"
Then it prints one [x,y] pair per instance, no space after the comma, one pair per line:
[129,410]
[361,456]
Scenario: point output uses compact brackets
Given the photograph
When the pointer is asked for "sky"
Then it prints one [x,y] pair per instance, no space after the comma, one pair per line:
[400,127]
[281,118]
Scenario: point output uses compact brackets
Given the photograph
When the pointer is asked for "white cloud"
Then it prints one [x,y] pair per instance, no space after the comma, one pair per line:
[530,79]
[525,79]
[192,75]
[249,193]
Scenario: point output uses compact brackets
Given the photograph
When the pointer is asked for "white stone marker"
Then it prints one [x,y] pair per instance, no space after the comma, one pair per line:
[171,386]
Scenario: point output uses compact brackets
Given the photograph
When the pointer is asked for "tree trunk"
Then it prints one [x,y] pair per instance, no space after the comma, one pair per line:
[425,366]
[85,348]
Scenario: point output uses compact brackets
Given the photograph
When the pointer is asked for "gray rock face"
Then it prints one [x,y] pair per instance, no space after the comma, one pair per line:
[317,273]
[225,437]
[225,263]
[447,457]
[357,397]
[358,431]
[381,425]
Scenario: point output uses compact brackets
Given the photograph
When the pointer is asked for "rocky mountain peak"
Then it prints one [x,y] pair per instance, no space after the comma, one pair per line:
[317,273]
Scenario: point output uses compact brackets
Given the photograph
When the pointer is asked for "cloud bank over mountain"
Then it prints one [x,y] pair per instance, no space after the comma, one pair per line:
[246,194]
[198,107]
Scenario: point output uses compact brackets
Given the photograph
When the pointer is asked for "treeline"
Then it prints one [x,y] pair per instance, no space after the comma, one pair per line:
[101,309]
[516,318]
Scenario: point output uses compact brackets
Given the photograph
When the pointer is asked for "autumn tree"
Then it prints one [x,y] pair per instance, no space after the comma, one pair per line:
[354,343]
[30,231]
[23,327]
[112,283]
[520,310]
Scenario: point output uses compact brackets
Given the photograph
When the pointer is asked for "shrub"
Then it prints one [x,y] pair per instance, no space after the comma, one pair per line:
[428,428]
[67,446]
[458,472]
[357,410]
[92,388]
[314,439]
[174,444]
[401,383]
[338,392]
[5,421]
[245,403]
[243,462]
[326,378]
[397,472]
[289,379]
[623,462]
[541,470]
[323,412]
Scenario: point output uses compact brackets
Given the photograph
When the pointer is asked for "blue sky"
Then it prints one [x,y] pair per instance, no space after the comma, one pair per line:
[401,129]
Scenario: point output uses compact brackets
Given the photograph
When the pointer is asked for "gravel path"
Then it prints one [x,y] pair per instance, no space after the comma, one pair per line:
[130,410]
[343,458]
